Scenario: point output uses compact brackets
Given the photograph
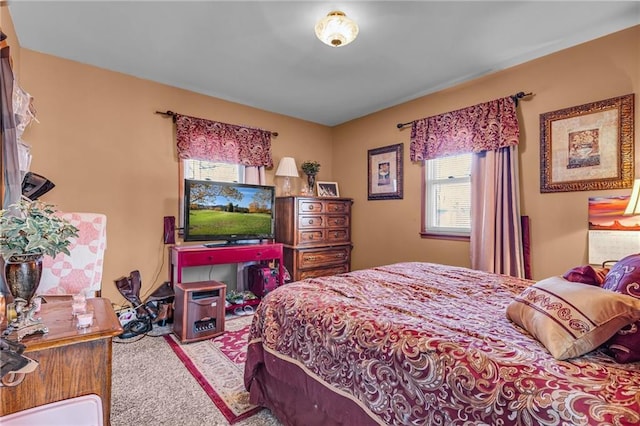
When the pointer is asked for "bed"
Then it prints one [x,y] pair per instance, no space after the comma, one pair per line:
[422,344]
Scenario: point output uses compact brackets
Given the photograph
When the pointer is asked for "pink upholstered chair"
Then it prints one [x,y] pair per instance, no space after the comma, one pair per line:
[81,271]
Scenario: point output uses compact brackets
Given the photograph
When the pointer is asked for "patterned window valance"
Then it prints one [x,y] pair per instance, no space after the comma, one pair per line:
[207,140]
[487,126]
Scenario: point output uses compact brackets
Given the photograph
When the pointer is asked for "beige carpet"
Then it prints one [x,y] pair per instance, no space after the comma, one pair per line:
[151,386]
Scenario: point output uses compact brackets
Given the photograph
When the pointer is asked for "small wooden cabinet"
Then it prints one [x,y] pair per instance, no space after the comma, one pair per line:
[316,234]
[71,362]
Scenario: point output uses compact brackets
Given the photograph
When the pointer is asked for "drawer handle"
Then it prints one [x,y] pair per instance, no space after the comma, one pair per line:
[310,221]
[310,207]
[339,255]
[311,258]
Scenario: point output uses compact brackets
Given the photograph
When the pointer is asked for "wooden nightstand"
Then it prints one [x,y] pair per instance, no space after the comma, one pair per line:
[72,362]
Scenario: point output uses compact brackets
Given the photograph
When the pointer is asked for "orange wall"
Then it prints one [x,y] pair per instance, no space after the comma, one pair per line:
[99,140]
[101,143]
[387,231]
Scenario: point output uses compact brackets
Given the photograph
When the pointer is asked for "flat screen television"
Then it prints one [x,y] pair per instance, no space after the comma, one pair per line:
[228,212]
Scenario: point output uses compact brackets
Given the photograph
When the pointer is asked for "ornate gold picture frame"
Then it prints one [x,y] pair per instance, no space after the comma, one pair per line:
[588,147]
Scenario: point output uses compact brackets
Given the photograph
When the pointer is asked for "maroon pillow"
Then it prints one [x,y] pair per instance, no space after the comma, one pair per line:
[586,274]
[624,277]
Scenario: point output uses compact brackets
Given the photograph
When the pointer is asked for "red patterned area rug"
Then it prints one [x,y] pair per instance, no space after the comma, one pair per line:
[218,366]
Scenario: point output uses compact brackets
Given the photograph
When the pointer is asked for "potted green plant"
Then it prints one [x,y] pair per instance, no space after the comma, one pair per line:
[30,230]
[311,169]
[33,228]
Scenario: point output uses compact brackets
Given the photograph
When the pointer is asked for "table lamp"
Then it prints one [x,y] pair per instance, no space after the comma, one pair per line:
[633,208]
[287,168]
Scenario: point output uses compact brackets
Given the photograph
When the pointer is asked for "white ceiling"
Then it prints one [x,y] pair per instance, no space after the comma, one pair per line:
[264,53]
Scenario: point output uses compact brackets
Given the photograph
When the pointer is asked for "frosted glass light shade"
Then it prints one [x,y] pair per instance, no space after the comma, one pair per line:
[633,208]
[336,29]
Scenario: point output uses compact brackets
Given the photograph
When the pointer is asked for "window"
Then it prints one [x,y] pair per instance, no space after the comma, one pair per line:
[208,170]
[447,209]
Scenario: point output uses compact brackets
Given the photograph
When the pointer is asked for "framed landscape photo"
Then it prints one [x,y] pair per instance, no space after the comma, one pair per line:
[588,147]
[385,172]
[327,189]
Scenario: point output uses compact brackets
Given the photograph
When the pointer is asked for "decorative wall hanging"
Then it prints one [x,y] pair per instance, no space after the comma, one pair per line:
[385,172]
[588,147]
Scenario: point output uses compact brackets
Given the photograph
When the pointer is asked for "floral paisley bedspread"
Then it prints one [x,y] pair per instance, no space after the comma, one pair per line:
[421,343]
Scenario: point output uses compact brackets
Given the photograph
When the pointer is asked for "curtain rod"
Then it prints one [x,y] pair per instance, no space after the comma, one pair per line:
[515,98]
[174,114]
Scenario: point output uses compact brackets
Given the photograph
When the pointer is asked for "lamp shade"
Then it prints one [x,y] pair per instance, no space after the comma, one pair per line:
[287,167]
[336,29]
[633,208]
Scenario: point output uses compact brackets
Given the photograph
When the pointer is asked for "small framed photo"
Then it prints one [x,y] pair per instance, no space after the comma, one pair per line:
[327,189]
[385,172]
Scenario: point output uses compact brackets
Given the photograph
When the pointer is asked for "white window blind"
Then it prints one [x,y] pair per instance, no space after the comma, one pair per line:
[208,170]
[448,195]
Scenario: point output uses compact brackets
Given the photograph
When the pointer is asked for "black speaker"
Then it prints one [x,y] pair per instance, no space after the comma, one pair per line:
[169,230]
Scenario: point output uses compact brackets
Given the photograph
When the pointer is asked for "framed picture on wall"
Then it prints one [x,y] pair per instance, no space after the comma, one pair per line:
[327,189]
[588,147]
[385,172]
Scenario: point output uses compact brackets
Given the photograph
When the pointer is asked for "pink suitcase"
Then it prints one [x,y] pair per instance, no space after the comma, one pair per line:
[262,279]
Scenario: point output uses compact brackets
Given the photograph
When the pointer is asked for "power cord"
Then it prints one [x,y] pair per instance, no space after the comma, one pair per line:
[158,270]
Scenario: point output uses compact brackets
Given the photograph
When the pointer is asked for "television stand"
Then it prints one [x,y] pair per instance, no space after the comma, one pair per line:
[181,257]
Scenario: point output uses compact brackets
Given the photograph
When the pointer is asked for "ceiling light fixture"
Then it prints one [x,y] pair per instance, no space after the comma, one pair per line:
[336,29]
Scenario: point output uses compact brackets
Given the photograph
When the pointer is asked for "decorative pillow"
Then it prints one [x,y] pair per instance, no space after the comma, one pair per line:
[624,346]
[571,319]
[586,274]
[624,278]
[624,273]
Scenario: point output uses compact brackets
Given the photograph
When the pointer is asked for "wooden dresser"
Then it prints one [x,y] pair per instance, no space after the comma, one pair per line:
[316,234]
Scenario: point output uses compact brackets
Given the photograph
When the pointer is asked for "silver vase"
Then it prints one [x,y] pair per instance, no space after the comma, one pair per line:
[22,276]
[311,180]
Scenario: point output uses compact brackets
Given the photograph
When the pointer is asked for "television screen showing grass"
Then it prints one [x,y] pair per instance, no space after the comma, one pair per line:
[225,211]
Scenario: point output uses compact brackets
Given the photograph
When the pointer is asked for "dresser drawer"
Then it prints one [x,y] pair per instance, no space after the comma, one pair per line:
[315,236]
[324,206]
[337,206]
[323,272]
[311,221]
[308,206]
[337,235]
[325,257]
[335,221]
